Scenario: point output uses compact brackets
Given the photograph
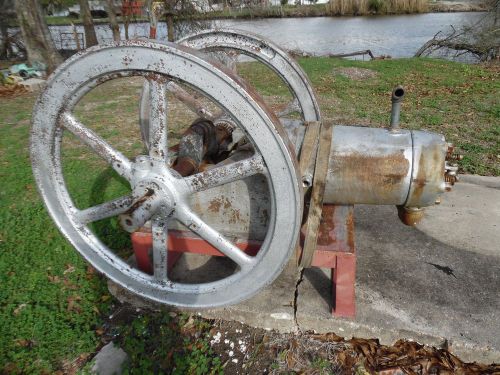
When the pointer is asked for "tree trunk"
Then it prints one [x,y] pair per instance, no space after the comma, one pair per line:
[37,40]
[88,24]
[126,21]
[170,27]
[5,44]
[113,23]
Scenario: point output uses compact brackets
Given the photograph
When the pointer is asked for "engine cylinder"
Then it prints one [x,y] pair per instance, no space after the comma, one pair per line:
[377,166]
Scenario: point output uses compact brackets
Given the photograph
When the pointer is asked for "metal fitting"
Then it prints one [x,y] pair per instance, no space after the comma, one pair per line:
[396,99]
[410,216]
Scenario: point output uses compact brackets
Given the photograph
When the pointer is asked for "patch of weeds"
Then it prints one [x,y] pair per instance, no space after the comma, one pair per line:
[322,365]
[159,343]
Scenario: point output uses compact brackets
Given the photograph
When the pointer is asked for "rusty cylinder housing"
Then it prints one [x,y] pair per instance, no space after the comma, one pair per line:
[379,166]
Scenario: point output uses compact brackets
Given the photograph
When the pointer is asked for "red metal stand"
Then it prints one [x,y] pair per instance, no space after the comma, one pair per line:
[335,250]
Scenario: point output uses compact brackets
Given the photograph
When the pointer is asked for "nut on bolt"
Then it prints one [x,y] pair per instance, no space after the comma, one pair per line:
[450,168]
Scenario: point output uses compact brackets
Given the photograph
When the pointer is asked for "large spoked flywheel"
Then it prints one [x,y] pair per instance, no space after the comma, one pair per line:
[158,193]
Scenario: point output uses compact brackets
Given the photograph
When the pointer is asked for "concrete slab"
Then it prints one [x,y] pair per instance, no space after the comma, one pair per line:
[272,308]
[438,284]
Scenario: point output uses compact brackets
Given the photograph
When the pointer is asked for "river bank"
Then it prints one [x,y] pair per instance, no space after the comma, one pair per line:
[343,8]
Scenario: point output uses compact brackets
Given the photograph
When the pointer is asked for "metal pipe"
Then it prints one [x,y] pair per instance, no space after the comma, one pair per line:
[396,99]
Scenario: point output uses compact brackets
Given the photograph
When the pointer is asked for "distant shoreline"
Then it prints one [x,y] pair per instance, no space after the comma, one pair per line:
[301,11]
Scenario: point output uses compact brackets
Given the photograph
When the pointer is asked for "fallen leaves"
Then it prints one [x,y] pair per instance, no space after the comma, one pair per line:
[411,357]
[73,304]
[69,269]
[12,91]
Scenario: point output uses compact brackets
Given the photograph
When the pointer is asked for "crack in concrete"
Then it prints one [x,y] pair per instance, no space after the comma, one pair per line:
[300,277]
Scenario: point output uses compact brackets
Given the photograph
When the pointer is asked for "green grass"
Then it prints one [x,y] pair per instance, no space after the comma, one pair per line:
[157,342]
[50,302]
[457,100]
[53,306]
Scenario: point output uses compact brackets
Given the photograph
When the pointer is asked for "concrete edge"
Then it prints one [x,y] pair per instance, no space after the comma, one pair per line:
[486,181]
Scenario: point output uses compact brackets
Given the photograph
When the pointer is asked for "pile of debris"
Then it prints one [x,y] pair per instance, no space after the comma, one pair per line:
[20,79]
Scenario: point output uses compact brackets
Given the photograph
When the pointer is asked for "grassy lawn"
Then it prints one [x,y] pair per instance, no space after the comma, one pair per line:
[54,308]
[458,100]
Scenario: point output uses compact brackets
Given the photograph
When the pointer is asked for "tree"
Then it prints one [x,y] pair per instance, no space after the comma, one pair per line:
[176,9]
[88,24]
[36,35]
[113,23]
[481,39]
[6,16]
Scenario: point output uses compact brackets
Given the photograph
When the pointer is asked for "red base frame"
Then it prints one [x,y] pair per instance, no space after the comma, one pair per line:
[335,250]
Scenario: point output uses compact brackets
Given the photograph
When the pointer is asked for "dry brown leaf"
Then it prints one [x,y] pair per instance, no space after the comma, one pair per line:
[69,269]
[72,304]
[18,309]
[53,279]
[69,285]
[328,337]
[25,343]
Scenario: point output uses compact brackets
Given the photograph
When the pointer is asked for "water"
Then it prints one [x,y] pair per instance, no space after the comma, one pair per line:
[397,36]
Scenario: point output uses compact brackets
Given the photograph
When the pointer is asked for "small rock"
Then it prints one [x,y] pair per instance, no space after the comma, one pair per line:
[109,360]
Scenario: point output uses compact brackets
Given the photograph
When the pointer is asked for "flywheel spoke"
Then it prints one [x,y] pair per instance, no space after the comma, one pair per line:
[214,238]
[225,174]
[105,210]
[116,159]
[159,232]
[158,146]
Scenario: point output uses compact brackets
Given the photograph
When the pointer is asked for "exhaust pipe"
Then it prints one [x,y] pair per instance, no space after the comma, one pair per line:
[397,97]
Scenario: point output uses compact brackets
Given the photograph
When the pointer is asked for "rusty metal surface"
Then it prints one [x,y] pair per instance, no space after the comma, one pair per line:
[273,159]
[379,166]
[369,166]
[427,181]
[337,229]
[410,216]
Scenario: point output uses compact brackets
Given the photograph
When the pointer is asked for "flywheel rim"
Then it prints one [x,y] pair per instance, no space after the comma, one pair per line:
[80,74]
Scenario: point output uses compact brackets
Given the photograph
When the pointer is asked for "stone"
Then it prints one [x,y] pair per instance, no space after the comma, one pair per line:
[109,360]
